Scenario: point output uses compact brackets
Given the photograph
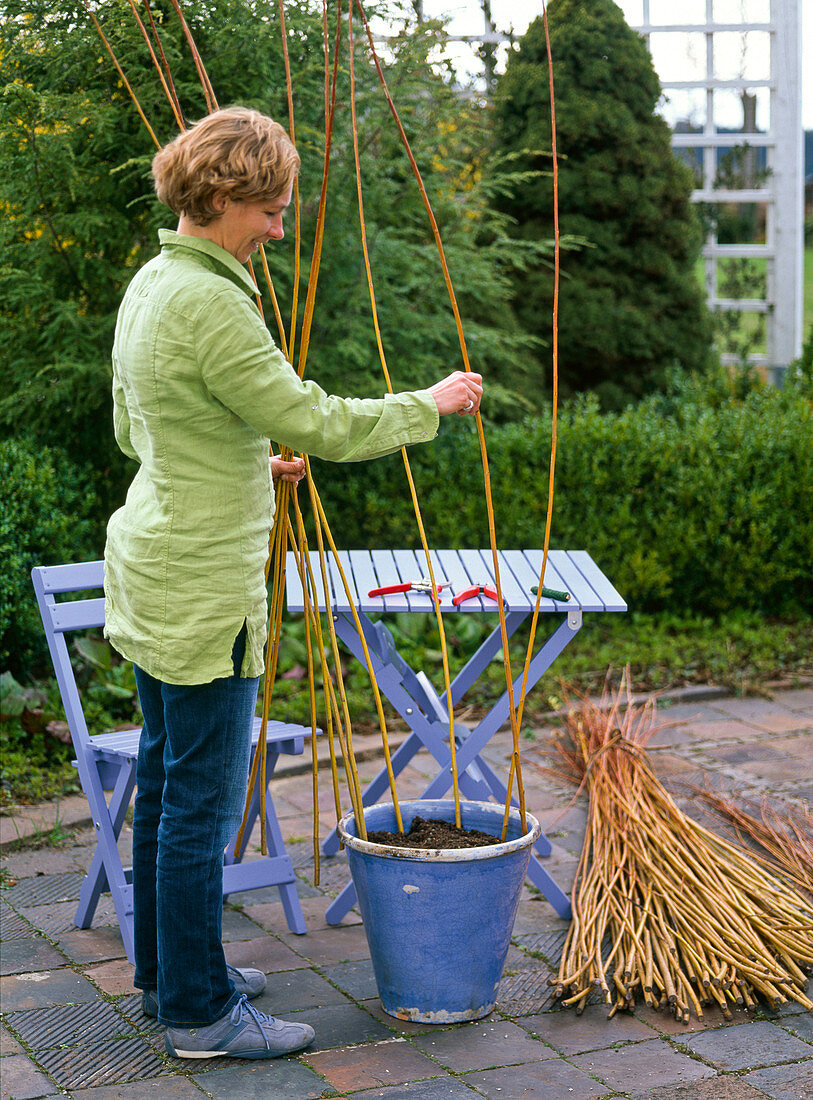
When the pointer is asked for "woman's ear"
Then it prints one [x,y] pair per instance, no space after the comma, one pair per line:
[220,200]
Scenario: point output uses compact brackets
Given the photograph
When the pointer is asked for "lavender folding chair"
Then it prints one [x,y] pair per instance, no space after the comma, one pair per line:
[107,762]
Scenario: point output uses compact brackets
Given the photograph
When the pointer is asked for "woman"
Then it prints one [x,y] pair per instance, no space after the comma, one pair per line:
[199,389]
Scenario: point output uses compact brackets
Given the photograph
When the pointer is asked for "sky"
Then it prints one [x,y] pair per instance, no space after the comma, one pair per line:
[675,57]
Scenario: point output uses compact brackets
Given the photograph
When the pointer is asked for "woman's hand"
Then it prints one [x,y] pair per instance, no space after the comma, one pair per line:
[292,471]
[460,393]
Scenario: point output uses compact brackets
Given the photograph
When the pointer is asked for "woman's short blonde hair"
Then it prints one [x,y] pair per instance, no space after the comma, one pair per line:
[240,152]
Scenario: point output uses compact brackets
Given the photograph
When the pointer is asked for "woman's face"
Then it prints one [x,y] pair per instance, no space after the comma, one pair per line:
[244,226]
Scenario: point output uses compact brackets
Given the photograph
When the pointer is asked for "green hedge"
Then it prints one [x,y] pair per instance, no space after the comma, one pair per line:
[47,516]
[700,499]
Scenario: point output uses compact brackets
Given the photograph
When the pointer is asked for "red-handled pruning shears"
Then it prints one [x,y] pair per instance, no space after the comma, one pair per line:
[423,585]
[488,591]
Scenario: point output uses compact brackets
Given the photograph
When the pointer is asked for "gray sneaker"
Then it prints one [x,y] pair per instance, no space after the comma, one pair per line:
[248,982]
[242,1033]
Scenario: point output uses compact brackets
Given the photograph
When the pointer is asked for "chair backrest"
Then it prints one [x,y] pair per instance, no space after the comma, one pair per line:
[61,618]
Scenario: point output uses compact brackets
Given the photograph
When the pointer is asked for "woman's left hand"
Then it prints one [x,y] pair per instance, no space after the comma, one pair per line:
[292,471]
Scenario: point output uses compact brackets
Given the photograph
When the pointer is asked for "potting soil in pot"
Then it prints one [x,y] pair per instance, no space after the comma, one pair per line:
[433,833]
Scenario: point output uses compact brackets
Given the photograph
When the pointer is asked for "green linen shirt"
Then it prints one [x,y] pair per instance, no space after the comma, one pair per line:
[199,390]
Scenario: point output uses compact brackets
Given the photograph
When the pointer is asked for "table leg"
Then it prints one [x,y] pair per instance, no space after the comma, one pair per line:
[468,755]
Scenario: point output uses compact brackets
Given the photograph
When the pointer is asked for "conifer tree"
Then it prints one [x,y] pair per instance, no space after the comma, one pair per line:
[630,303]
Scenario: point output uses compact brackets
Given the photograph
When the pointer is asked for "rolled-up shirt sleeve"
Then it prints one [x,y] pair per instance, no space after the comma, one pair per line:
[245,371]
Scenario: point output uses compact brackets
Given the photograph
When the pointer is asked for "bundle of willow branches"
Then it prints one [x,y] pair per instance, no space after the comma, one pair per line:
[783,833]
[662,907]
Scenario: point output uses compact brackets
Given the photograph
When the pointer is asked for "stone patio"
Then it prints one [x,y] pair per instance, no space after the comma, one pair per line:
[72,1025]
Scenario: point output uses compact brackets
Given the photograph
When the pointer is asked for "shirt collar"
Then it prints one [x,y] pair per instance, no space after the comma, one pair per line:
[170,239]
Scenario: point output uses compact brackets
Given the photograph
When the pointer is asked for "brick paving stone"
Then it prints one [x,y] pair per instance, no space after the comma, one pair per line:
[331,945]
[749,708]
[29,956]
[341,1026]
[715,1088]
[90,945]
[551,1080]
[666,1024]
[771,772]
[266,953]
[38,861]
[744,1046]
[724,729]
[277,1079]
[269,895]
[572,1034]
[355,978]
[295,989]
[636,1066]
[793,1082]
[271,915]
[162,1088]
[439,1088]
[482,1045]
[535,914]
[392,1061]
[112,977]
[52,987]
[236,926]
[798,699]
[802,1026]
[22,1080]
[8,1044]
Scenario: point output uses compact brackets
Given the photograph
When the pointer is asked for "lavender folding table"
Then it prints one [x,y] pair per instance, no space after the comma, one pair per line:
[411,692]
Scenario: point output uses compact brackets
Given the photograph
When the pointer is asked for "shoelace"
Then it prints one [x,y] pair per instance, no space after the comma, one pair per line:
[243,1008]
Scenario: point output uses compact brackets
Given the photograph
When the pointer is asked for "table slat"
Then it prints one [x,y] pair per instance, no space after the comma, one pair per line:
[613,600]
[582,593]
[516,595]
[524,578]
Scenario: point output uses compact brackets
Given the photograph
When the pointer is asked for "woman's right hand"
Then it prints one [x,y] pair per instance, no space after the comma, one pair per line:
[460,392]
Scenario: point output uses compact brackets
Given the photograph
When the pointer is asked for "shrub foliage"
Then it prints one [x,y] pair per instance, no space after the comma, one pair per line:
[46,517]
[700,499]
[630,304]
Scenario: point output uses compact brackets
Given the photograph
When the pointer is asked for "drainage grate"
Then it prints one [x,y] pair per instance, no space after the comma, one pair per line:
[102,1064]
[131,1007]
[59,917]
[547,944]
[518,960]
[524,993]
[45,889]
[13,927]
[69,1025]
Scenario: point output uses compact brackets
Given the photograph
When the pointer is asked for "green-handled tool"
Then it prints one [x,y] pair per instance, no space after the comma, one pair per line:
[552,593]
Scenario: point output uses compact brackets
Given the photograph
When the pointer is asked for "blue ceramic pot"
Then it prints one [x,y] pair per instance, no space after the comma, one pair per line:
[439,921]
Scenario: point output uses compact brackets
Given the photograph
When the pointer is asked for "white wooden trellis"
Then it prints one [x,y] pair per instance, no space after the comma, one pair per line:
[782,190]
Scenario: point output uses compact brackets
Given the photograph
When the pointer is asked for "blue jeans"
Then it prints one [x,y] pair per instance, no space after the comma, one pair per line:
[193,761]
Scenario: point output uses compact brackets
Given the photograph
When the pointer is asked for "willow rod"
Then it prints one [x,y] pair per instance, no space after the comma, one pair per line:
[169,92]
[447,680]
[509,680]
[120,71]
[554,374]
